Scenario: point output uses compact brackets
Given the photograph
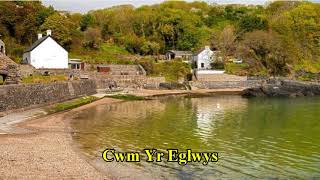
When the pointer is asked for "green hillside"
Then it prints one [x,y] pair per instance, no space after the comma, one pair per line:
[279,39]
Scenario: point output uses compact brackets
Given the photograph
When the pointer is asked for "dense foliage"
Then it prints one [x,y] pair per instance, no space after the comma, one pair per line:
[278,39]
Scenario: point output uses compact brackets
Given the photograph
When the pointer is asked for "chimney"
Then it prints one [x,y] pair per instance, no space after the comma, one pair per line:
[49,32]
[39,36]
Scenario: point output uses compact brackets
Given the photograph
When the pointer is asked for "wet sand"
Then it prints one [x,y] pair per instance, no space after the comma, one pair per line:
[45,150]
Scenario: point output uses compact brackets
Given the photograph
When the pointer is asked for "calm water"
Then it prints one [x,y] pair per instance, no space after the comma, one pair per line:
[255,138]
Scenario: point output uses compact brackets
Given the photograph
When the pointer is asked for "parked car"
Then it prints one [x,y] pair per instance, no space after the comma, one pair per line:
[237,61]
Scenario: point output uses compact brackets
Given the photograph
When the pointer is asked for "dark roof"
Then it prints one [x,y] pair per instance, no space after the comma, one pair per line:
[36,44]
[199,51]
[74,62]
[180,52]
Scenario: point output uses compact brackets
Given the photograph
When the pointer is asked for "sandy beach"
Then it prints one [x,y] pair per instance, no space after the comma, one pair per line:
[45,149]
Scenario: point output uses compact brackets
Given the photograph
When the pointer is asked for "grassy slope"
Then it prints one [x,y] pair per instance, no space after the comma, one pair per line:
[71,104]
[109,54]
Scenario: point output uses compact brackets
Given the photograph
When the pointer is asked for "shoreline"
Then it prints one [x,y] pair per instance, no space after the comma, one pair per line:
[45,148]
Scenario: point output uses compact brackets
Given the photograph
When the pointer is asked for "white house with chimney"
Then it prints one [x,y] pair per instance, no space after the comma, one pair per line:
[46,53]
[203,60]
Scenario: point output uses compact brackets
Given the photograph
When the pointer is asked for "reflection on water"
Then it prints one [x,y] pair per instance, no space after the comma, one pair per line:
[255,138]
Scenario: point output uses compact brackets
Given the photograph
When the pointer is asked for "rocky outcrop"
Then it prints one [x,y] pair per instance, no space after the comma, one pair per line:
[9,70]
[284,88]
[173,86]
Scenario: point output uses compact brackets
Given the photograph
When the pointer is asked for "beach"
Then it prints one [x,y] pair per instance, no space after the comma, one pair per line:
[43,147]
[46,150]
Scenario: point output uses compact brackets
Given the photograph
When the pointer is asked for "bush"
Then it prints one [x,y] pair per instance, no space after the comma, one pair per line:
[148,65]
[237,69]
[173,70]
[217,65]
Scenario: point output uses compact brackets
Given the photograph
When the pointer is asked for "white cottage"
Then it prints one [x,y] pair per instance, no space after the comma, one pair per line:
[204,58]
[46,53]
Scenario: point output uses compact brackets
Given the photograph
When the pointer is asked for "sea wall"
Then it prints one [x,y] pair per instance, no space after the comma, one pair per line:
[226,84]
[33,95]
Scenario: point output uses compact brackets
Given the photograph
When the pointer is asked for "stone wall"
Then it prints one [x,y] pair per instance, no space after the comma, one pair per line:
[226,84]
[220,77]
[128,81]
[28,70]
[117,69]
[33,95]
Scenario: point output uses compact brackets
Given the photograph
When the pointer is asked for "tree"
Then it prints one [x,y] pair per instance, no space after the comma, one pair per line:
[250,23]
[92,38]
[227,41]
[215,16]
[264,50]
[133,43]
[62,29]
[86,21]
[150,48]
[43,14]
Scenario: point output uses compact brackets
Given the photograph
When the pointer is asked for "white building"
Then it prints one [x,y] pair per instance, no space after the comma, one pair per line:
[204,58]
[46,53]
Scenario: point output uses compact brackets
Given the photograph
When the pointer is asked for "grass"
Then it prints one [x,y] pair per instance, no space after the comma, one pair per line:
[237,69]
[71,104]
[308,66]
[172,71]
[43,79]
[127,97]
[110,54]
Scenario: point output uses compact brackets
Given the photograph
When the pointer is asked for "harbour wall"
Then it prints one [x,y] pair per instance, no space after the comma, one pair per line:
[226,84]
[32,95]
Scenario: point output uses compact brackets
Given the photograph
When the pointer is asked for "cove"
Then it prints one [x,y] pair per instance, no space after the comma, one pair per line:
[255,138]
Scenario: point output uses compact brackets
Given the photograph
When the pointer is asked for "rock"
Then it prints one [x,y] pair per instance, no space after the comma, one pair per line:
[253,92]
[173,86]
[284,88]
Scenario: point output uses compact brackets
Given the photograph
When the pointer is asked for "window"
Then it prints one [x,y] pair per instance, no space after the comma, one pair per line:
[2,49]
[202,65]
